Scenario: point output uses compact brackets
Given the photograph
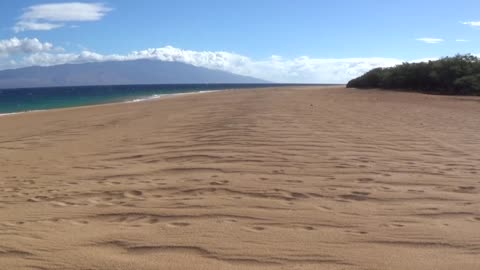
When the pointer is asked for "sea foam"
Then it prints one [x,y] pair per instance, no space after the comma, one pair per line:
[158,96]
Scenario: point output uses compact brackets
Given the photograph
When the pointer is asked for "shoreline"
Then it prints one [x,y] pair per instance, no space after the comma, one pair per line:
[153,98]
[136,100]
[157,96]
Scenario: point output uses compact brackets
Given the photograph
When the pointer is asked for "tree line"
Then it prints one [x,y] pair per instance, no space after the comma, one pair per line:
[457,75]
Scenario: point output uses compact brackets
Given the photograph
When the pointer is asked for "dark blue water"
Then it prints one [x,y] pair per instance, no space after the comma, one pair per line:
[29,99]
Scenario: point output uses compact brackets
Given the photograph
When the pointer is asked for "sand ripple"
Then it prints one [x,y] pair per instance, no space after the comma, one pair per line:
[269,179]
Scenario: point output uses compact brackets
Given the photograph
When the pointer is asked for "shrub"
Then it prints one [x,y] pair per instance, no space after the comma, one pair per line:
[458,75]
[468,84]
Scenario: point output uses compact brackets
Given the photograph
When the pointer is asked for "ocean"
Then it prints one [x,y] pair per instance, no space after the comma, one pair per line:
[45,98]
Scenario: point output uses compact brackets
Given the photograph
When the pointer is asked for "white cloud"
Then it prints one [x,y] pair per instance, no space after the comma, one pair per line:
[12,46]
[51,16]
[427,59]
[472,23]
[36,26]
[461,40]
[430,40]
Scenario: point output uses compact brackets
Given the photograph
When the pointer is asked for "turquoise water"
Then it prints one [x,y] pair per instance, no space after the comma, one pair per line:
[31,99]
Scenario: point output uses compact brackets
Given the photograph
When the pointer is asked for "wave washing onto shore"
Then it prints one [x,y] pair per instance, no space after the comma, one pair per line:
[14,113]
[158,96]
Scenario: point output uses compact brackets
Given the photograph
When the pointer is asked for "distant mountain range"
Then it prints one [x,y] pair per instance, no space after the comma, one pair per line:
[117,73]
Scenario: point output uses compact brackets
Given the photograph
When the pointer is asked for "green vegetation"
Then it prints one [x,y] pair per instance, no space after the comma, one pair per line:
[458,75]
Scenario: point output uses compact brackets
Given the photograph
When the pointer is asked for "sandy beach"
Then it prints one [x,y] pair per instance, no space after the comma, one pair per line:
[287,178]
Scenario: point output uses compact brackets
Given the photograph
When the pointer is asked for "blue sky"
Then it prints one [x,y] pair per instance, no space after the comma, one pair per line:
[299,41]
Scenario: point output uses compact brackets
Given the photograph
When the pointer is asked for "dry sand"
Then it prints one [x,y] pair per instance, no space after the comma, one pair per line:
[254,179]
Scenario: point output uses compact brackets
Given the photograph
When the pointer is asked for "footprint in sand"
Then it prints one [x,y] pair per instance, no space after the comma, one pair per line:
[356,232]
[393,225]
[298,195]
[465,188]
[356,196]
[30,182]
[227,220]
[38,199]
[323,208]
[78,222]
[316,195]
[293,181]
[100,202]
[60,204]
[134,194]
[255,228]
[365,180]
[219,183]
[178,224]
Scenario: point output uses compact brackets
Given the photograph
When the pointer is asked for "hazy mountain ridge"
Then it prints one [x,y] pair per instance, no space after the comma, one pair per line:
[143,71]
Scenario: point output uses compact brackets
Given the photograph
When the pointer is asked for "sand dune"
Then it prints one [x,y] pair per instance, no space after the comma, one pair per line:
[282,178]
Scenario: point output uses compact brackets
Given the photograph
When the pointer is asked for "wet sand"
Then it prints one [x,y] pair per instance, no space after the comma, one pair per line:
[282,178]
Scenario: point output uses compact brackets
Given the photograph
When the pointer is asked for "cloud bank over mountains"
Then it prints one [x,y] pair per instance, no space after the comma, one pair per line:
[15,53]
